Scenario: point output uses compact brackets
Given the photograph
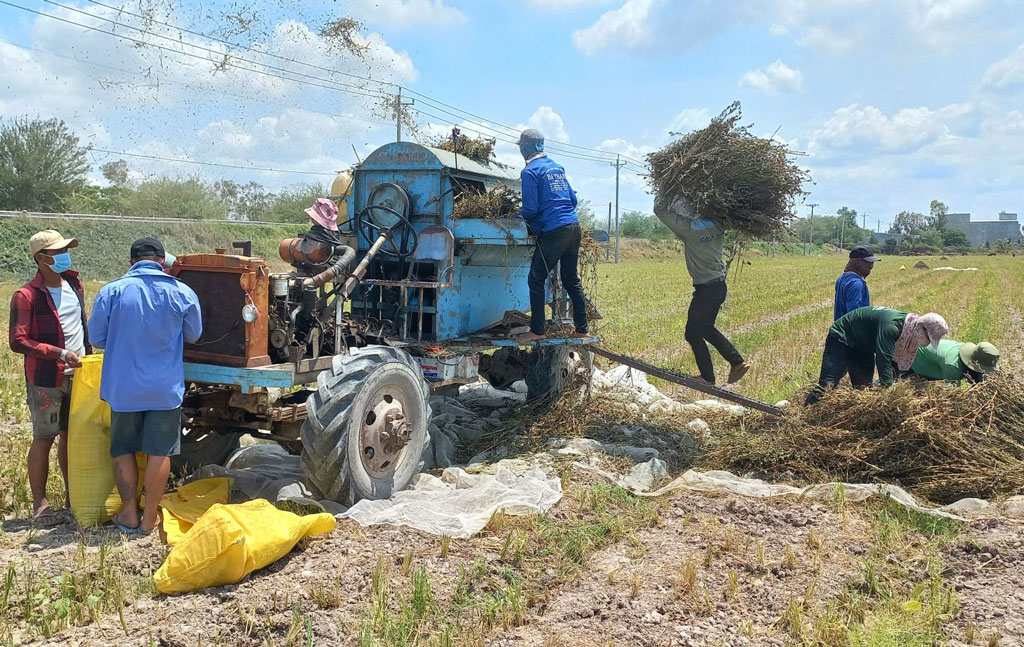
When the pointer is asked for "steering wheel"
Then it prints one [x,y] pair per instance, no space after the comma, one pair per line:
[371,231]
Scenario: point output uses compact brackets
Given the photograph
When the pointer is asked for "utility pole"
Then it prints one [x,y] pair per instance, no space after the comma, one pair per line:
[399,106]
[618,165]
[810,229]
[608,249]
[398,115]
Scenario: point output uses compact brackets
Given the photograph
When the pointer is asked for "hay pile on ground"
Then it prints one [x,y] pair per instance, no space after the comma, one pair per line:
[500,202]
[740,181]
[942,442]
[481,150]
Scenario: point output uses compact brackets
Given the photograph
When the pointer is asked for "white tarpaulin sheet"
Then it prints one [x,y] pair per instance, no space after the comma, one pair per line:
[460,504]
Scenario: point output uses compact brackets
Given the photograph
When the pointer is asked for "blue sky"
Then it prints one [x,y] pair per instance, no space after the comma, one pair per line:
[895,102]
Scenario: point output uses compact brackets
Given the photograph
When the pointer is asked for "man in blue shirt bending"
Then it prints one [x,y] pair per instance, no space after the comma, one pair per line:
[143,321]
[851,288]
[549,208]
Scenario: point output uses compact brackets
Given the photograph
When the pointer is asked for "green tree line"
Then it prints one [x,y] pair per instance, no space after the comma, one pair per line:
[44,167]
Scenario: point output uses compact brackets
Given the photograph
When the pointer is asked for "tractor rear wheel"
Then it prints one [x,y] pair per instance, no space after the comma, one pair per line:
[367,426]
[547,371]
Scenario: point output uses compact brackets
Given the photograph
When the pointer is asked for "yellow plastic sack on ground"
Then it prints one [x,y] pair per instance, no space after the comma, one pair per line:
[94,498]
[184,506]
[231,541]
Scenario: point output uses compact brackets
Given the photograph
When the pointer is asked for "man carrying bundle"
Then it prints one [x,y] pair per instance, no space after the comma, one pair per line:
[954,361]
[709,181]
[867,338]
[702,245]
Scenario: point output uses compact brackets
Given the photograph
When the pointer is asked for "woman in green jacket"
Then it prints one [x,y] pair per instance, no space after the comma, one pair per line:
[954,360]
[874,337]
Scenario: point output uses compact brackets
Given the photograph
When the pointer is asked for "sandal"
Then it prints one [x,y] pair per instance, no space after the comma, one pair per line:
[125,528]
[47,517]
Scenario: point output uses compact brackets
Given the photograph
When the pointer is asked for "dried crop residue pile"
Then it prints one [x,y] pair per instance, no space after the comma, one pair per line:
[728,175]
[943,442]
[481,150]
[500,202]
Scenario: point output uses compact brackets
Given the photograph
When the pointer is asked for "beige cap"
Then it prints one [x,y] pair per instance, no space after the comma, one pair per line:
[49,239]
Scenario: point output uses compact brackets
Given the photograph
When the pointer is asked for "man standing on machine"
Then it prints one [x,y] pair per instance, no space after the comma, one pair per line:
[549,208]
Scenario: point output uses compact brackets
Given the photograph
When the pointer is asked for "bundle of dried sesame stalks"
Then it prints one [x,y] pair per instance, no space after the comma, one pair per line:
[740,181]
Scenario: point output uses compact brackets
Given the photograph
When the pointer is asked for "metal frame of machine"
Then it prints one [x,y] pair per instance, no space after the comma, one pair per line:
[403,290]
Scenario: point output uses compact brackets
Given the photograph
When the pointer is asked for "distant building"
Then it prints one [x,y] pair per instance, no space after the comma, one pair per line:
[980,232]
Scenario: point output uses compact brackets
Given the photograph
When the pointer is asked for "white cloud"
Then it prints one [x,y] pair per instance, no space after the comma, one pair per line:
[689,119]
[625,147]
[406,13]
[866,129]
[1005,73]
[669,26]
[776,78]
[549,122]
[561,5]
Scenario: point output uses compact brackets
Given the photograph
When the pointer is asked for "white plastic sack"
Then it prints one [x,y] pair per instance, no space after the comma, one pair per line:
[460,504]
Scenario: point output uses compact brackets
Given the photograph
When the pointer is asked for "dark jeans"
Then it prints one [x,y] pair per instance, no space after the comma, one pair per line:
[838,360]
[559,246]
[700,328]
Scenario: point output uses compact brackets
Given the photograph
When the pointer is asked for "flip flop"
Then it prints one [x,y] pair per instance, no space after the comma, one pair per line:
[47,517]
[123,528]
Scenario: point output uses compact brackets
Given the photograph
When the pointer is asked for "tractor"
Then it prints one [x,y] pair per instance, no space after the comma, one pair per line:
[336,359]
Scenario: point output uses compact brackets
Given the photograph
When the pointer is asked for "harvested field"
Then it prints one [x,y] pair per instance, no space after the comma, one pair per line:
[603,567]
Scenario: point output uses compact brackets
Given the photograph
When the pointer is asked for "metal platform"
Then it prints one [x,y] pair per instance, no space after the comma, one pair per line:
[248,379]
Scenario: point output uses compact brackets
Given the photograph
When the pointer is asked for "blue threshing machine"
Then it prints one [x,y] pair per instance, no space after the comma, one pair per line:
[402,298]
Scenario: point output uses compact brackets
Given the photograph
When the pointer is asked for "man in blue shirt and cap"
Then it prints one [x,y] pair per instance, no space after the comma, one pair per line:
[549,208]
[143,321]
[851,288]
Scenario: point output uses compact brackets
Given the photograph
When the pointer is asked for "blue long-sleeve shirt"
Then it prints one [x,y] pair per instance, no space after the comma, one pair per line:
[548,200]
[851,293]
[143,321]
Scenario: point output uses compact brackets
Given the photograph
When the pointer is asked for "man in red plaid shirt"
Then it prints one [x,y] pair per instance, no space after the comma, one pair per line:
[48,327]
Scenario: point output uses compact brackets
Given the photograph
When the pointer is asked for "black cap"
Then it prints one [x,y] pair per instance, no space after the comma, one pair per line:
[147,247]
[863,251]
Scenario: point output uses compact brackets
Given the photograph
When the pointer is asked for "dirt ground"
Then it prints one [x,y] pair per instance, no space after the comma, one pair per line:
[710,570]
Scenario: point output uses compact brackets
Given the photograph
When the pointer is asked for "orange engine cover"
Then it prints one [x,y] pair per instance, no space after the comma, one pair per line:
[225,284]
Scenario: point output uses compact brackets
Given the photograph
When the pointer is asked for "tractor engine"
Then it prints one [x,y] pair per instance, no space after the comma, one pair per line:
[300,323]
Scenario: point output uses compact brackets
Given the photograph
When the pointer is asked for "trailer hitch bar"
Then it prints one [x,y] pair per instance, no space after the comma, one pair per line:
[685,380]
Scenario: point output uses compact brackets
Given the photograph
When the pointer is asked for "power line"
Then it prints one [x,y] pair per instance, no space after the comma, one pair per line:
[202,48]
[240,46]
[196,87]
[188,161]
[422,95]
[226,63]
[506,139]
[352,89]
[510,128]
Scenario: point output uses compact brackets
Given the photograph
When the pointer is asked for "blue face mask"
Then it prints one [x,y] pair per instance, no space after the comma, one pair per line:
[61,263]
[528,149]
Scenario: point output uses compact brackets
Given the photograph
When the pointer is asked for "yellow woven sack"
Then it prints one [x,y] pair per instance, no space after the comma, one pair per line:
[94,498]
[230,541]
[184,506]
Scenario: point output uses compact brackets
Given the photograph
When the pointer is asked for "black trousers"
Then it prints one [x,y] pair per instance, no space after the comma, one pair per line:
[560,246]
[700,328]
[838,360]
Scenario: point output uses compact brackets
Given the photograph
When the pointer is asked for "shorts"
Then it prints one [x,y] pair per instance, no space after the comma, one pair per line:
[49,408]
[154,433]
